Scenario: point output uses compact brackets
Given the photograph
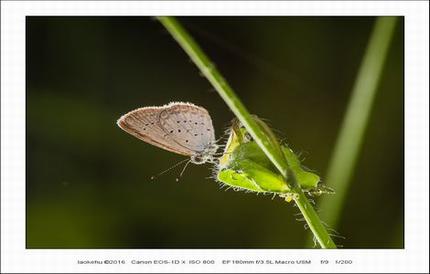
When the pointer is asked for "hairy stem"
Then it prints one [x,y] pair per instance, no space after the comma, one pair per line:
[209,70]
[313,221]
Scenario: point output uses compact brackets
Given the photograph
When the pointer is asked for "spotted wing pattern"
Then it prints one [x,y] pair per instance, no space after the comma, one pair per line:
[189,126]
[181,128]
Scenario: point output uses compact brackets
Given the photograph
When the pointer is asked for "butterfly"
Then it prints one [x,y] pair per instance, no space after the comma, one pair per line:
[179,127]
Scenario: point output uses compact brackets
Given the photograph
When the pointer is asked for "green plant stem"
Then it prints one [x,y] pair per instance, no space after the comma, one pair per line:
[264,142]
[351,134]
[211,73]
[313,221]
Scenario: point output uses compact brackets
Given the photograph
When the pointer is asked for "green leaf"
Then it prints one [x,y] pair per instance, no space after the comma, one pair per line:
[244,165]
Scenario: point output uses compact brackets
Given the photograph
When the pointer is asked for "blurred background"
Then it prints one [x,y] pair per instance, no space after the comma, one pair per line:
[88,182]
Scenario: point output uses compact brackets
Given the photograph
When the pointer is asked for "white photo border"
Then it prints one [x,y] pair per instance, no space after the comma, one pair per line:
[16,258]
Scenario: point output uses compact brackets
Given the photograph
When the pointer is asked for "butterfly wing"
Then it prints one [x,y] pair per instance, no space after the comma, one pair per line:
[181,128]
[190,126]
[143,123]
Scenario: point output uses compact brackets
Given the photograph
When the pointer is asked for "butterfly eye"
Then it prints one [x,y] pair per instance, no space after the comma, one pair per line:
[197,159]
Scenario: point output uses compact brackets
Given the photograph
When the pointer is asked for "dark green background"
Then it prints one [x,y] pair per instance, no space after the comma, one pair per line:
[88,181]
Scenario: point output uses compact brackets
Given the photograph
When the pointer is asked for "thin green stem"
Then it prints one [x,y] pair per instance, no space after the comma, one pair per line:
[264,142]
[209,70]
[351,134]
[313,221]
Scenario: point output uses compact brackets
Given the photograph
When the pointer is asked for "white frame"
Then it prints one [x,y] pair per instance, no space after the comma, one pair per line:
[15,258]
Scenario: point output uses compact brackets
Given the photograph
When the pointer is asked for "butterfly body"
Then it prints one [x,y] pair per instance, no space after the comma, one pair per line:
[182,128]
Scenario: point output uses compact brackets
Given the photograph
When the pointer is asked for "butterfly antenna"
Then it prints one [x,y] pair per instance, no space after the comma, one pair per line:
[170,168]
[182,172]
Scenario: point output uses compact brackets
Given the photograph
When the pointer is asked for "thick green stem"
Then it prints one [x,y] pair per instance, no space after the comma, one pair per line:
[351,134]
[265,143]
